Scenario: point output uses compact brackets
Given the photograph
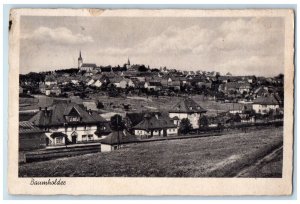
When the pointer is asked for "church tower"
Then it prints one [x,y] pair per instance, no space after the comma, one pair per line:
[128,66]
[80,61]
[128,62]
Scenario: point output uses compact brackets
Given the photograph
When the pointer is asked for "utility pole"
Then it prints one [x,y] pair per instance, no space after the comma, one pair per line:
[118,132]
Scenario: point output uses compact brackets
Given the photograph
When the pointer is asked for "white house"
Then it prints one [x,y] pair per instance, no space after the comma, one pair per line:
[126,83]
[153,85]
[189,109]
[50,80]
[69,123]
[155,124]
[264,104]
[90,82]
[97,83]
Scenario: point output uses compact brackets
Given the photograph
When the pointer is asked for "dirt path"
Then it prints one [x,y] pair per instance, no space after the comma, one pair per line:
[267,162]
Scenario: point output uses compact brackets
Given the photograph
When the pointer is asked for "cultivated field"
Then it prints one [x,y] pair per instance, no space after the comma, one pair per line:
[163,103]
[250,154]
[137,104]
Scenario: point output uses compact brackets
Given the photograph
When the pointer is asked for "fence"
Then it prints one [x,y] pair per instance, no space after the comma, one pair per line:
[66,151]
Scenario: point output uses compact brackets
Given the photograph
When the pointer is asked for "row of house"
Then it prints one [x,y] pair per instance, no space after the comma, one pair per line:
[67,123]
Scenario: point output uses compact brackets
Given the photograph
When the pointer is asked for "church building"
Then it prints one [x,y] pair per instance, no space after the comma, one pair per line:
[88,67]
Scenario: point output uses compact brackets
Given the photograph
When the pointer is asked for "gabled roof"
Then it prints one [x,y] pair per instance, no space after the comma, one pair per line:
[266,100]
[89,65]
[151,122]
[57,134]
[175,118]
[187,105]
[122,137]
[56,115]
[26,127]
[135,118]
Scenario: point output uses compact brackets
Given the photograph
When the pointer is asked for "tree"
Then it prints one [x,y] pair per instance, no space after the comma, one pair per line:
[100,105]
[142,68]
[237,118]
[117,123]
[185,126]
[203,122]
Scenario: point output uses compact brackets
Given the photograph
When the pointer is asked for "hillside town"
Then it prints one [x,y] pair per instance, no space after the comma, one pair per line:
[115,105]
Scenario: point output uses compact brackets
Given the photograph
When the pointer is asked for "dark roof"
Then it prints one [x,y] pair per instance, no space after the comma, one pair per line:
[175,118]
[58,134]
[119,138]
[26,127]
[135,118]
[88,65]
[56,115]
[157,121]
[154,83]
[266,100]
[187,105]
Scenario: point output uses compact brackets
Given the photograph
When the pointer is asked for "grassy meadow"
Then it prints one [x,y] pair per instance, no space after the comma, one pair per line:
[219,156]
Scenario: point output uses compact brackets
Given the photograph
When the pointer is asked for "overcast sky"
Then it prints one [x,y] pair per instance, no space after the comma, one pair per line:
[242,46]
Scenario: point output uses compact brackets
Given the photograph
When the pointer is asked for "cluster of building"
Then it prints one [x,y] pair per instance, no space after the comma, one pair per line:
[222,88]
[66,123]
[69,123]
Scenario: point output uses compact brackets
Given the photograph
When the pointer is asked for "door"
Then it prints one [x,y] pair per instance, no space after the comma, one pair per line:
[74,139]
[47,141]
[165,133]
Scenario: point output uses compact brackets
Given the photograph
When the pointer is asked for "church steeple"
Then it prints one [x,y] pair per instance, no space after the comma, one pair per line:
[80,60]
[128,62]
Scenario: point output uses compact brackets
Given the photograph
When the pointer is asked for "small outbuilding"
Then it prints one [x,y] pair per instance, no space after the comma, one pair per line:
[116,140]
[31,137]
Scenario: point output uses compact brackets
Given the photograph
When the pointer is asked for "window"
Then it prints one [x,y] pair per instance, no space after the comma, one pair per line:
[59,140]
[73,119]
[84,137]
[90,137]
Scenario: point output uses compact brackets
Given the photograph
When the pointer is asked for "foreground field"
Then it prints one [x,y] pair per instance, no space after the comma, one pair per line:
[224,156]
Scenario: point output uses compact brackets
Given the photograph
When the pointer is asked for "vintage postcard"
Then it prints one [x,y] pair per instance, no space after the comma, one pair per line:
[151,102]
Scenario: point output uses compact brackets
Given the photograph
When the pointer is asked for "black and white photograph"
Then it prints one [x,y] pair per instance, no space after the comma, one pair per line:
[152,96]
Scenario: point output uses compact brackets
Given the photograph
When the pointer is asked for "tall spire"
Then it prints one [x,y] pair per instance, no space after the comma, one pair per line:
[80,55]
[80,60]
[128,62]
